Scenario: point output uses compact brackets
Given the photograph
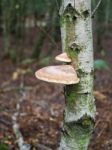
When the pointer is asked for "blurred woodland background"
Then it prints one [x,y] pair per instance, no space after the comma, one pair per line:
[26,25]
[30,38]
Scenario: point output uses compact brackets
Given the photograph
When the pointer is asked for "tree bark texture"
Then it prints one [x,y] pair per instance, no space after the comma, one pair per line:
[76,33]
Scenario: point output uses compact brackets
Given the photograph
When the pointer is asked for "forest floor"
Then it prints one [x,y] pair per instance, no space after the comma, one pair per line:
[42,104]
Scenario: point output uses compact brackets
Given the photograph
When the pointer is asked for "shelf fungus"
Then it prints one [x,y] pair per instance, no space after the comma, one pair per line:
[63,57]
[62,74]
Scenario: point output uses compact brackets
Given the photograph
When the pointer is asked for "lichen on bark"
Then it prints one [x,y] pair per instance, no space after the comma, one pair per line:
[76,33]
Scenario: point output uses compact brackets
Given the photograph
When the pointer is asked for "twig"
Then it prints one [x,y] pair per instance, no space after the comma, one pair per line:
[5,122]
[20,140]
[57,4]
[10,89]
[97,6]
[43,147]
[49,36]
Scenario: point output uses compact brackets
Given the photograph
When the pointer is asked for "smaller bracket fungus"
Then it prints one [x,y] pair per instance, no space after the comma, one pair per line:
[63,57]
[62,74]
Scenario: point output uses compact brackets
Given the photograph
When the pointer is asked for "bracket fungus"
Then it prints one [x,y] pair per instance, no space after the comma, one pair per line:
[62,74]
[63,57]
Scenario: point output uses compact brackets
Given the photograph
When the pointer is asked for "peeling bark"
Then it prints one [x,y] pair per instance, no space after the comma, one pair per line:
[76,31]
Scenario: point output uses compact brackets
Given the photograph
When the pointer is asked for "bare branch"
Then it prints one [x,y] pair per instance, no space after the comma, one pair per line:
[20,140]
[97,6]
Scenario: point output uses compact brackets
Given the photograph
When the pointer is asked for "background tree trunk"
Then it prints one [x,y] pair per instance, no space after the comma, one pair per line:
[76,31]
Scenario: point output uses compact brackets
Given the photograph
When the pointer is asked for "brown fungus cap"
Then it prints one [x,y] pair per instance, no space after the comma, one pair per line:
[63,74]
[63,57]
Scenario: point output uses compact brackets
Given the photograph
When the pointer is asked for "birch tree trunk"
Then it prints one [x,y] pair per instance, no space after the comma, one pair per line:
[76,31]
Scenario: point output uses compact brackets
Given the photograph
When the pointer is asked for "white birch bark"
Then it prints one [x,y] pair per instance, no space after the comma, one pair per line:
[76,31]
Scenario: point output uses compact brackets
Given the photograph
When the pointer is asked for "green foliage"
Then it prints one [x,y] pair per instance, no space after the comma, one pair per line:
[3,146]
[36,6]
[27,61]
[13,55]
[45,61]
[100,64]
